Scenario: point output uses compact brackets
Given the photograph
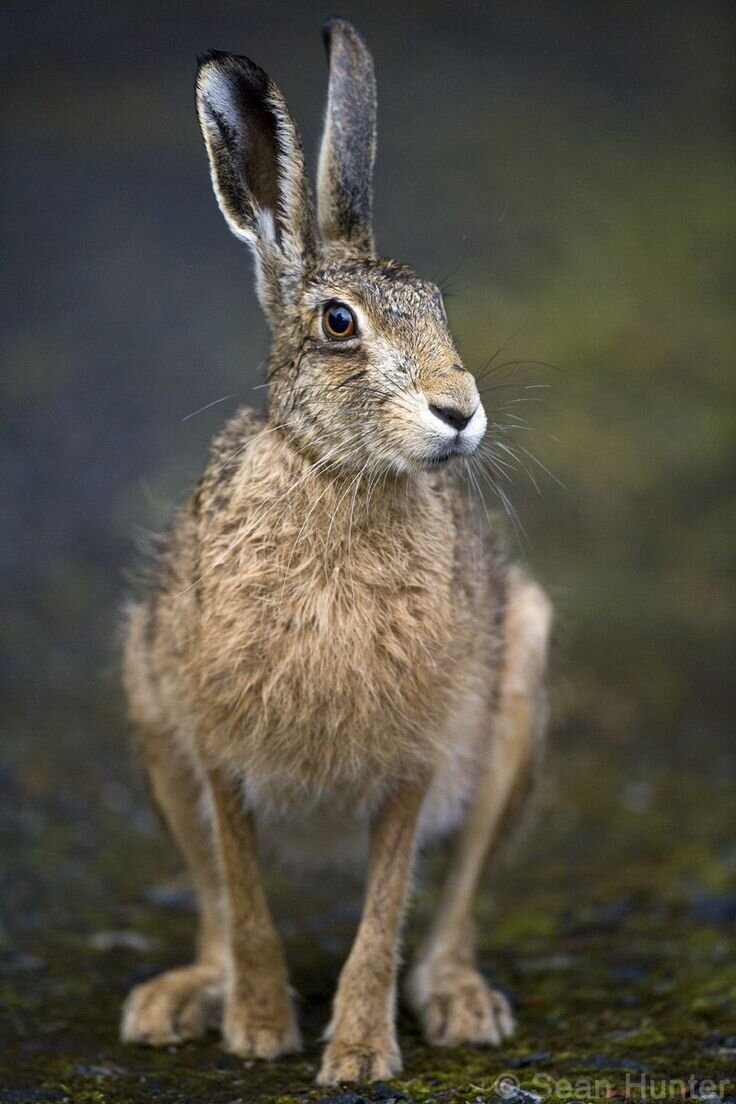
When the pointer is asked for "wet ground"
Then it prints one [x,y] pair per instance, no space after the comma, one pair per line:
[612,928]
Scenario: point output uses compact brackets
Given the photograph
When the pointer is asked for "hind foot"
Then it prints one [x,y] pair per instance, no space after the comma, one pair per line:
[180,1004]
[456,1006]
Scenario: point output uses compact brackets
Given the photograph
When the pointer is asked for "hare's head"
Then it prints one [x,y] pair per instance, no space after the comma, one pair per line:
[363,369]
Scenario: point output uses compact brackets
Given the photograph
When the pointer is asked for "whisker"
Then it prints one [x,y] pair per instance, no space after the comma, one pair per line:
[544,467]
[207,407]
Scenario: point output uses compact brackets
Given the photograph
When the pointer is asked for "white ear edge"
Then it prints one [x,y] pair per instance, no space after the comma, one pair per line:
[263,237]
[266,227]
[242,233]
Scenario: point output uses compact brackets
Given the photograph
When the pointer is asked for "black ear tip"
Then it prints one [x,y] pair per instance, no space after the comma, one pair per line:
[327,26]
[235,67]
[336,23]
[211,55]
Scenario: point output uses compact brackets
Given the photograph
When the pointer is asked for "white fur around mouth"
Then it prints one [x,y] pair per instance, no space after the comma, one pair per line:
[471,436]
[463,442]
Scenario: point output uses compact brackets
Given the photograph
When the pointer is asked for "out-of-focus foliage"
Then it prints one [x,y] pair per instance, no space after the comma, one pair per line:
[565,169]
[635,415]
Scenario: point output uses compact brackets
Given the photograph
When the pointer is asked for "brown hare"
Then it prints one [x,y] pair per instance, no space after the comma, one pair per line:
[330,658]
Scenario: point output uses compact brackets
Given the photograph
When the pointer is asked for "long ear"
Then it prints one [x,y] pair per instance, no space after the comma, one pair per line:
[348,151]
[257,169]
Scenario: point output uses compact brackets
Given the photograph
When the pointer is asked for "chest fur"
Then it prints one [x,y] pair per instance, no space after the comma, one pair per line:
[328,631]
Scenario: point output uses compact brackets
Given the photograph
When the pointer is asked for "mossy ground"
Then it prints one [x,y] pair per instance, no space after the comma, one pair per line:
[612,927]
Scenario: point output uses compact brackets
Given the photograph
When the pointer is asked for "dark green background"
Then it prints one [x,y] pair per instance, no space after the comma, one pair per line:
[566,171]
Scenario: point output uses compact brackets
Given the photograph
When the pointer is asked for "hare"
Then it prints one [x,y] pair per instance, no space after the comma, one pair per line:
[331,661]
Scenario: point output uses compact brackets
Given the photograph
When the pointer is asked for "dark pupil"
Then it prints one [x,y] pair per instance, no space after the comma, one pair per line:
[339,319]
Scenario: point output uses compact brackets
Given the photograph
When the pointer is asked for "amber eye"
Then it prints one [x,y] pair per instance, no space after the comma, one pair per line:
[338,321]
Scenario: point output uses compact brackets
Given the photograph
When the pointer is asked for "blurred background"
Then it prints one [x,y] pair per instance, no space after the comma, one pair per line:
[566,173]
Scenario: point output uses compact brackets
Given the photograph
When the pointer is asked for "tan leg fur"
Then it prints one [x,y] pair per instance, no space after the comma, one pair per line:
[363,1044]
[184,1003]
[445,989]
[258,1019]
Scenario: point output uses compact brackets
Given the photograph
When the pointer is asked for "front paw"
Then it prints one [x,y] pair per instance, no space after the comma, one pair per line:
[373,1060]
[456,1006]
[254,1036]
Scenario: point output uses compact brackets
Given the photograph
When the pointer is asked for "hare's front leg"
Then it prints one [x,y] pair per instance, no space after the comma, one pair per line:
[258,1020]
[362,1033]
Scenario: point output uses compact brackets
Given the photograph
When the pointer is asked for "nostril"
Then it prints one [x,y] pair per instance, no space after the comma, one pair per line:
[451,416]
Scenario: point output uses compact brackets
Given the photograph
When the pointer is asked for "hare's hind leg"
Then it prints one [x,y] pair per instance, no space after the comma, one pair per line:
[445,988]
[183,1003]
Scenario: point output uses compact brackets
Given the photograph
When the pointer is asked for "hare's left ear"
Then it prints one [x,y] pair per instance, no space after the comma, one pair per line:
[257,168]
[348,151]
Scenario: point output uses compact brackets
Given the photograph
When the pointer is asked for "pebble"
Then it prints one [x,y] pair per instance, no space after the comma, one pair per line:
[131,940]
[530,1059]
[175,898]
[386,1095]
[715,908]
[343,1098]
[518,1095]
[108,1070]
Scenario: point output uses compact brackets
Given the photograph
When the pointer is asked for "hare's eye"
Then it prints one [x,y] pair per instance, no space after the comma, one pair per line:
[338,321]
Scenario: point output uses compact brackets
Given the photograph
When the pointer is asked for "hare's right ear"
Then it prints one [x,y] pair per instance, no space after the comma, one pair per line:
[257,169]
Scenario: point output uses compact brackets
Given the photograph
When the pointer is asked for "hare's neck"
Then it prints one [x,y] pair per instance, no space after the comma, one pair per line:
[345,506]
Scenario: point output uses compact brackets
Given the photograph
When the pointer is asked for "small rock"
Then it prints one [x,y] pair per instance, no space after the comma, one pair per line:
[343,1098]
[529,1059]
[627,973]
[715,908]
[29,1096]
[107,1070]
[517,1095]
[547,963]
[116,797]
[175,898]
[227,1062]
[603,1062]
[637,797]
[386,1095]
[20,960]
[131,940]
[612,913]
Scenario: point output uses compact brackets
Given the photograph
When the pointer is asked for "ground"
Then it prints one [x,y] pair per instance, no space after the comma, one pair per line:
[611,926]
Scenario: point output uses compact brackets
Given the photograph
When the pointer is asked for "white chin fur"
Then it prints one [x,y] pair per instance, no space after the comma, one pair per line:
[468,439]
[437,434]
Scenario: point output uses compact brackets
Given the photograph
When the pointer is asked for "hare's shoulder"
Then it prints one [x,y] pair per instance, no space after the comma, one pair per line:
[229,446]
[227,454]
[239,429]
[167,560]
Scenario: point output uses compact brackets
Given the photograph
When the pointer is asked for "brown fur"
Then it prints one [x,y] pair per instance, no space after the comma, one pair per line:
[330,653]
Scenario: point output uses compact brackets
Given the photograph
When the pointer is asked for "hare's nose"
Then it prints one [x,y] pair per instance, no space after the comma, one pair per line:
[452,416]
